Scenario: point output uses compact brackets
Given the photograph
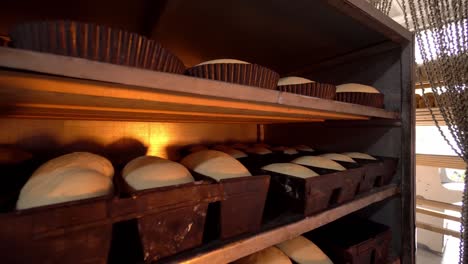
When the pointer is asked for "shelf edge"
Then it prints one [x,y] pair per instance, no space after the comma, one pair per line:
[77,68]
[244,247]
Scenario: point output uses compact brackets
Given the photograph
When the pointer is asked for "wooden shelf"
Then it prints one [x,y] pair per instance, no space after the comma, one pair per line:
[238,249]
[424,117]
[440,161]
[73,88]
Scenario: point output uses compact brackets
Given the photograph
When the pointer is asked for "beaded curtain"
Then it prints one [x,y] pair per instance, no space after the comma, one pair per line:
[441,35]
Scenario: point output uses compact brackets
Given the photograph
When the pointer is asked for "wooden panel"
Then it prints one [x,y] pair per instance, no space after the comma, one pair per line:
[48,137]
[238,249]
[408,168]
[116,13]
[437,214]
[424,117]
[440,161]
[437,229]
[282,35]
[142,89]
[421,201]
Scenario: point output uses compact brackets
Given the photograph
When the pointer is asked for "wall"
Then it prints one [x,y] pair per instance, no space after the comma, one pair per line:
[51,137]
[428,185]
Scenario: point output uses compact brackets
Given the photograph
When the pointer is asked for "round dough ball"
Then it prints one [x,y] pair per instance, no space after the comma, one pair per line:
[84,160]
[262,145]
[258,150]
[196,148]
[271,255]
[293,80]
[237,154]
[355,88]
[290,169]
[304,251]
[147,172]
[304,148]
[63,186]
[338,157]
[319,162]
[285,150]
[215,164]
[219,61]
[241,146]
[359,155]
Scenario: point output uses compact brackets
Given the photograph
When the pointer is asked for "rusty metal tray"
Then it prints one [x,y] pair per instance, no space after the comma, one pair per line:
[168,219]
[354,241]
[377,173]
[241,209]
[71,232]
[315,194]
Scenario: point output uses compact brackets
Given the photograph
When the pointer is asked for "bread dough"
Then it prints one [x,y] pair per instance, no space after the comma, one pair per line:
[355,88]
[262,145]
[196,148]
[271,255]
[304,251]
[237,154]
[215,164]
[319,162]
[338,157]
[147,172]
[219,61]
[359,155]
[258,150]
[293,80]
[58,186]
[84,160]
[286,150]
[290,169]
[239,146]
[304,148]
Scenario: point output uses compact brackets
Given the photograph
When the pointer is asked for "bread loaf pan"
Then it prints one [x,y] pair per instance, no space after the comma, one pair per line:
[72,232]
[378,172]
[312,195]
[241,209]
[353,241]
[167,219]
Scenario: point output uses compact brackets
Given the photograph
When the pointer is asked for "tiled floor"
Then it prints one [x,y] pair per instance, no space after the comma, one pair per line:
[450,255]
[426,257]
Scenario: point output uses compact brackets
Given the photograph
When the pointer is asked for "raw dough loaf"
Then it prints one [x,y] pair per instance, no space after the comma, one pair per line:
[196,148]
[355,88]
[271,255]
[215,164]
[319,162]
[293,80]
[304,148]
[291,169]
[359,155]
[286,150]
[304,251]
[258,150]
[73,183]
[262,145]
[237,154]
[239,146]
[84,160]
[219,61]
[147,172]
[338,157]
